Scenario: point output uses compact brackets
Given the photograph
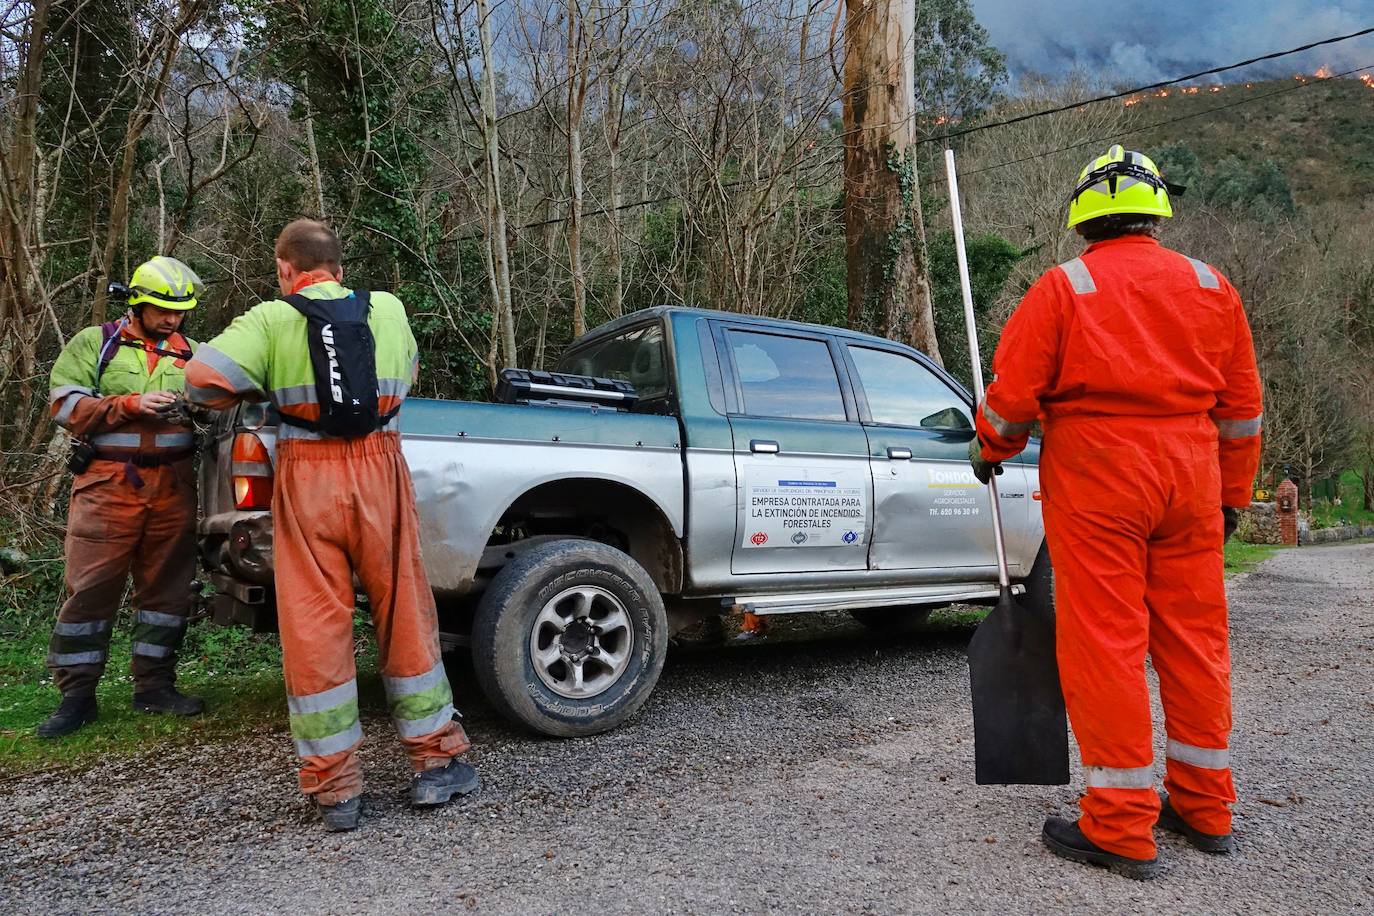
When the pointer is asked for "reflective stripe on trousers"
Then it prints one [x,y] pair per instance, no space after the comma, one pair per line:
[325,723]
[420,704]
[1119,777]
[1209,758]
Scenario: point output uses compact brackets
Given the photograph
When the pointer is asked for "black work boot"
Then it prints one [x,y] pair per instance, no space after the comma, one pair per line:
[342,817]
[168,700]
[72,713]
[1169,819]
[1065,839]
[438,786]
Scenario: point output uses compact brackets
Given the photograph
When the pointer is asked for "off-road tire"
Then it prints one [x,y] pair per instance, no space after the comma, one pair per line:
[506,614]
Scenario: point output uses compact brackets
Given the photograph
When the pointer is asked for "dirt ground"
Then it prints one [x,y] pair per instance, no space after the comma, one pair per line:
[819,771]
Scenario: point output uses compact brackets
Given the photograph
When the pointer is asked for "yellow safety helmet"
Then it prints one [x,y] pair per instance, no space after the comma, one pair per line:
[166,283]
[1120,181]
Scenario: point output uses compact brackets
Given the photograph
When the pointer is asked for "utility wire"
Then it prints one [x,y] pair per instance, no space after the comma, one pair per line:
[1160,85]
[1314,81]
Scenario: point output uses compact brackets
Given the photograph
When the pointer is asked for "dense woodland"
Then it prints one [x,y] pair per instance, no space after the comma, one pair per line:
[519,171]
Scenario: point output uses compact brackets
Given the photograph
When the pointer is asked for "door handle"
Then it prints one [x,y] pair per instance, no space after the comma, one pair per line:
[898,453]
[763,446]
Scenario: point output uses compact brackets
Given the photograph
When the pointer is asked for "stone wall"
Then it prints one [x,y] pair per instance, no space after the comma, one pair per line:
[1259,524]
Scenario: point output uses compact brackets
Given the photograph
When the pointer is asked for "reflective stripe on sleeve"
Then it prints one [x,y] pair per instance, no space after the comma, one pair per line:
[225,366]
[1079,277]
[86,628]
[64,413]
[63,659]
[1208,758]
[1004,427]
[324,700]
[395,387]
[152,650]
[1239,429]
[1205,278]
[63,391]
[159,619]
[330,744]
[174,440]
[118,440]
[1119,778]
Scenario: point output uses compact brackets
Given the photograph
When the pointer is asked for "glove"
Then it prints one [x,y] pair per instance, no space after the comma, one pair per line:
[982,468]
[181,412]
[1230,518]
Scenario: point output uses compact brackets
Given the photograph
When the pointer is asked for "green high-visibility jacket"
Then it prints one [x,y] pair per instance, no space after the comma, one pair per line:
[265,354]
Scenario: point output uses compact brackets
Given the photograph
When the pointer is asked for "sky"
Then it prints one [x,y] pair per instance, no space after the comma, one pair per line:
[1144,42]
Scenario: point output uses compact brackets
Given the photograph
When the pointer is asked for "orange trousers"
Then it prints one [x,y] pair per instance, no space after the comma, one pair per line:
[125,520]
[1133,521]
[343,508]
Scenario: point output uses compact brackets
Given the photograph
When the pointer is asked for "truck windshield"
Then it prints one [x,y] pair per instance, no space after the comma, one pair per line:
[634,356]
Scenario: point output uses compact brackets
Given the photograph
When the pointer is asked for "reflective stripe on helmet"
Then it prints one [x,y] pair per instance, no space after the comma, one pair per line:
[1239,429]
[1080,278]
[1208,758]
[1119,777]
[1205,278]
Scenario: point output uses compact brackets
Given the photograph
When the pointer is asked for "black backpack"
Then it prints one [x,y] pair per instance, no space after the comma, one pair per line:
[344,357]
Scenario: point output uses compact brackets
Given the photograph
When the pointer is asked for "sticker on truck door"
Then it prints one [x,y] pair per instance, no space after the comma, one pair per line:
[805,507]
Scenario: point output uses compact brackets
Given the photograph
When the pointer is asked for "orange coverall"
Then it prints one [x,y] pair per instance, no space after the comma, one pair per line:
[1139,364]
[340,508]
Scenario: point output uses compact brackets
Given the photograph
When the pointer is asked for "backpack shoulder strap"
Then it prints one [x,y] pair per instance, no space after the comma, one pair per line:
[109,346]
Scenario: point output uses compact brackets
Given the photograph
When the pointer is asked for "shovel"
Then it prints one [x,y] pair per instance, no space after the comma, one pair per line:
[1020,730]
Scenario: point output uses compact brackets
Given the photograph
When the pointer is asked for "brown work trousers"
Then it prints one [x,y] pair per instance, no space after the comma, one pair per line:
[126,520]
[345,508]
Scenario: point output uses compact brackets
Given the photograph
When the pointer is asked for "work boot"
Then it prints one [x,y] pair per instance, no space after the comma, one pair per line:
[342,817]
[1065,839]
[72,713]
[438,786]
[1169,819]
[168,700]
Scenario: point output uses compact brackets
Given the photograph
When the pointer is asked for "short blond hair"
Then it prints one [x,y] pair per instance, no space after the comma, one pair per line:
[308,244]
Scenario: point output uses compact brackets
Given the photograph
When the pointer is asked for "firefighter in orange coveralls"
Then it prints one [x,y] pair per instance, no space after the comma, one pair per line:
[1138,362]
[342,506]
[133,504]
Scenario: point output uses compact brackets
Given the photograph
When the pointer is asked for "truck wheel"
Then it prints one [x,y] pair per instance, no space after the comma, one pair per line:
[569,638]
[905,620]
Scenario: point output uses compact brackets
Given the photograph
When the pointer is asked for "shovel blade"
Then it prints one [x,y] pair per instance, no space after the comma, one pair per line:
[1020,728]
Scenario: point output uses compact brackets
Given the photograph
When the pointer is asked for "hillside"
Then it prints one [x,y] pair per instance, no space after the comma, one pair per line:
[1320,133]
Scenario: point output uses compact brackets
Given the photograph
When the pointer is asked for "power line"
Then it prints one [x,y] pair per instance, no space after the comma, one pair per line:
[1197,114]
[1160,85]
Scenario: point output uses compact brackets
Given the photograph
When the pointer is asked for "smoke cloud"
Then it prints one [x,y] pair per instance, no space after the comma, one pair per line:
[1148,42]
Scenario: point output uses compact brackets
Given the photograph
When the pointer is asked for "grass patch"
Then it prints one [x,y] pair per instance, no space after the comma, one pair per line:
[1242,557]
[1349,491]
[236,671]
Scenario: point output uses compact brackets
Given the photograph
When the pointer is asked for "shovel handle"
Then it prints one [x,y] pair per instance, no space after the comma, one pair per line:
[971,326]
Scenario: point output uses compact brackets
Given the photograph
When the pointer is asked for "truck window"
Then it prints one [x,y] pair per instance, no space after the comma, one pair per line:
[635,356]
[789,377]
[902,392]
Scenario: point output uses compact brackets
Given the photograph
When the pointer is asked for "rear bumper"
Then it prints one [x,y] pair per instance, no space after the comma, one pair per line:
[236,548]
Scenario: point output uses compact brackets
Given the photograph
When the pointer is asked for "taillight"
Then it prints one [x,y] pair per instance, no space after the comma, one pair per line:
[252,470]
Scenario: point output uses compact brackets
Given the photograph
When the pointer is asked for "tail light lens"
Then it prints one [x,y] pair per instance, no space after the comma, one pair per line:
[252,470]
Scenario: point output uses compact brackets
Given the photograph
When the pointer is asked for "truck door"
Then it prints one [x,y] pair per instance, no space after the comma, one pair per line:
[930,510]
[804,491]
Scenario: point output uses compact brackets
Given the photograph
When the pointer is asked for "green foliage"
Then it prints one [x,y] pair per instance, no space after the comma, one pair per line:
[957,70]
[1255,189]
[1242,557]
[991,259]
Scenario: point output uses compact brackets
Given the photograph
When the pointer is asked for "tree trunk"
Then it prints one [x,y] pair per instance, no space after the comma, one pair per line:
[503,318]
[889,293]
[615,100]
[577,94]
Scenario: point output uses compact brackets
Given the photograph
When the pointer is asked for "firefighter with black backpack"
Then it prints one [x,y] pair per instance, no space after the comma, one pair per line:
[115,388]
[337,364]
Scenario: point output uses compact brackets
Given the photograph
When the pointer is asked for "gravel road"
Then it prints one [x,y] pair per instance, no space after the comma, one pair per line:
[815,772]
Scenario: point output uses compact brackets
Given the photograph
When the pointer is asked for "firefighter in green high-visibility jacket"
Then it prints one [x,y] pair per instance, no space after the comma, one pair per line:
[133,505]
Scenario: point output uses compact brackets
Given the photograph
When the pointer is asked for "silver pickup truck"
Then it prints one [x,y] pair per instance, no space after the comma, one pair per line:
[750,465]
